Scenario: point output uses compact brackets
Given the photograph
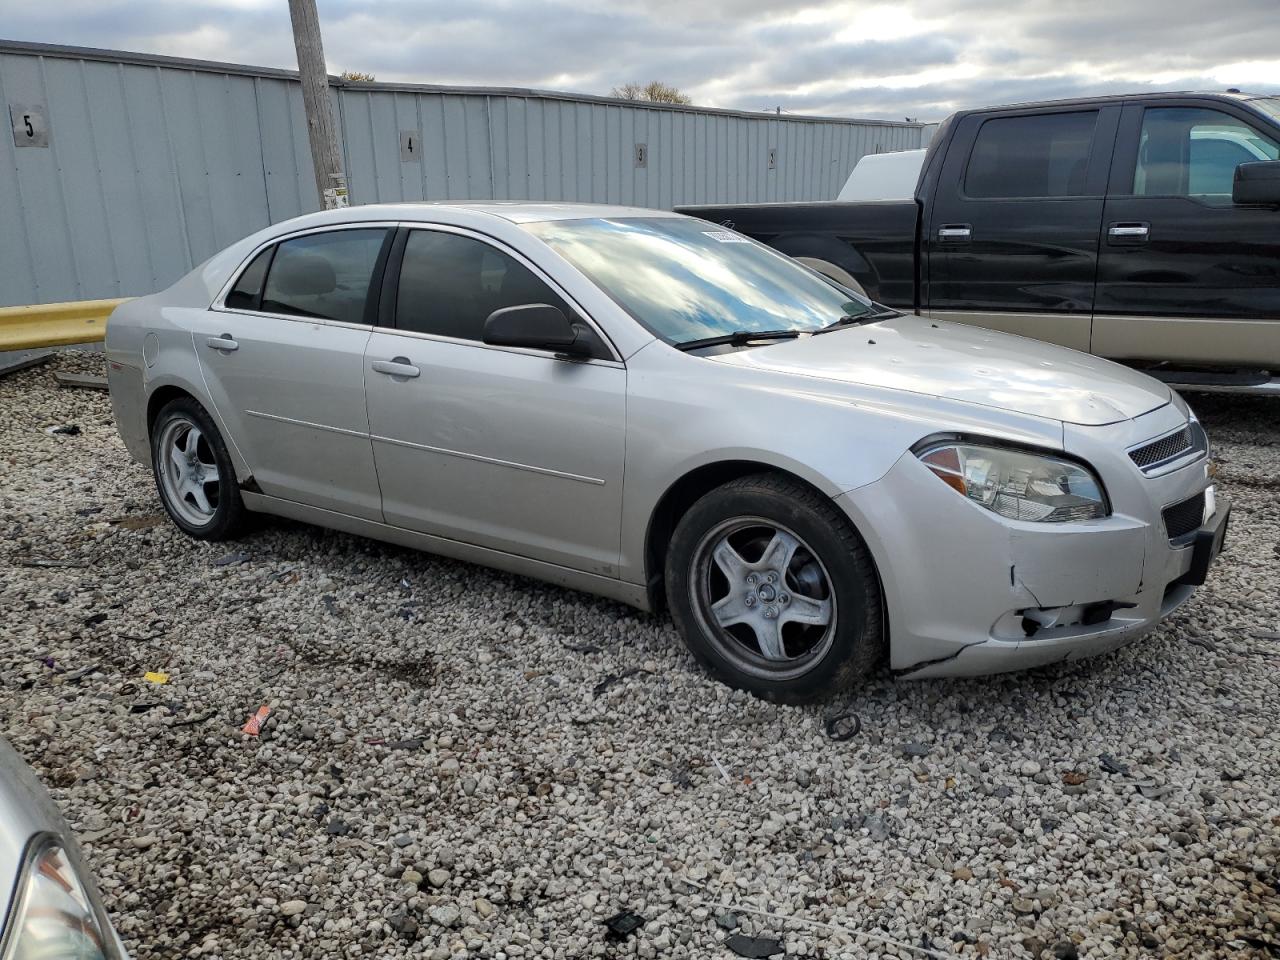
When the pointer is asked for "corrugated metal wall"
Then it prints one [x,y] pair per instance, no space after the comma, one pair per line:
[154,164]
[505,147]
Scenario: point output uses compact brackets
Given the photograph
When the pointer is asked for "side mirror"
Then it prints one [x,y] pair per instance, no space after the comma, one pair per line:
[1257,184]
[537,325]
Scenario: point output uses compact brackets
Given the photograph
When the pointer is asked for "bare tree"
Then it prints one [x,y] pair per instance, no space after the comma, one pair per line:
[655,91]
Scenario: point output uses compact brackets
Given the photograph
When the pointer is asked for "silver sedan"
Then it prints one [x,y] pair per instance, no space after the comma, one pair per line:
[655,409]
[54,910]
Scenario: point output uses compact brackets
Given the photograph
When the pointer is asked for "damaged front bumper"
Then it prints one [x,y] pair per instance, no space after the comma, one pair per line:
[969,592]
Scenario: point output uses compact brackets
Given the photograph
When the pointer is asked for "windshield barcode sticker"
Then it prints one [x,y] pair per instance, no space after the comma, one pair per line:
[723,236]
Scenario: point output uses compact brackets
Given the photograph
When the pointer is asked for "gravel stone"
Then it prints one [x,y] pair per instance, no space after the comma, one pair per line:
[404,925]
[445,915]
[553,818]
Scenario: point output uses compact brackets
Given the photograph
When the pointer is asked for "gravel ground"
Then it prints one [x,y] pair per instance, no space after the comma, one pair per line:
[461,762]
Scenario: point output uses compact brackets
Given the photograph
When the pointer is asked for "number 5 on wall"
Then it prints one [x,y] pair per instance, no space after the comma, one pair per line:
[30,128]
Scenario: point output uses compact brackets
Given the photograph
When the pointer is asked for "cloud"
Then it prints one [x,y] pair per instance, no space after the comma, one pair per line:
[918,58]
[867,58]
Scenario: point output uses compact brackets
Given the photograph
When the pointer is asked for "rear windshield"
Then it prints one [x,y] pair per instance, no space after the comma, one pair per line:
[685,279]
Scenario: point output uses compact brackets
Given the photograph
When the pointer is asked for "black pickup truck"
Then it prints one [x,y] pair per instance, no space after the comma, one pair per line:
[1141,228]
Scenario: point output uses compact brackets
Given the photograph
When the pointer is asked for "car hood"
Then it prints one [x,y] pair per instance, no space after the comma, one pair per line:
[968,364]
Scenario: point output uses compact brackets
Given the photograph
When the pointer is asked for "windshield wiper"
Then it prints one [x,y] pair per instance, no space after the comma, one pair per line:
[858,319]
[739,338]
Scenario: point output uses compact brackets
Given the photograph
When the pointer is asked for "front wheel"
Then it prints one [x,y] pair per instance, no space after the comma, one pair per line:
[194,473]
[774,590]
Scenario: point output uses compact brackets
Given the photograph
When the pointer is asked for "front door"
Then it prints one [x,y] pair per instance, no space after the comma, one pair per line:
[283,358]
[511,449]
[1012,238]
[1183,273]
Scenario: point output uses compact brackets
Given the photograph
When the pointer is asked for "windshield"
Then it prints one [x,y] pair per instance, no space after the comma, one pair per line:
[1269,106]
[686,279]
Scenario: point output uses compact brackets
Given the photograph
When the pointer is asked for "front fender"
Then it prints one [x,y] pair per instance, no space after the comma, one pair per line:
[686,412]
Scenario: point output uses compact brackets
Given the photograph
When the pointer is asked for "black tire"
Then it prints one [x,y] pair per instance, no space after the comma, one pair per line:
[228,517]
[851,646]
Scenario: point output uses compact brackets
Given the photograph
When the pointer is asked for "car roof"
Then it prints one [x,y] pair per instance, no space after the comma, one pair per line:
[515,211]
[1119,98]
[523,211]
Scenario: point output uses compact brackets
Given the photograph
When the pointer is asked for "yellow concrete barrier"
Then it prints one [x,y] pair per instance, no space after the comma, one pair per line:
[54,324]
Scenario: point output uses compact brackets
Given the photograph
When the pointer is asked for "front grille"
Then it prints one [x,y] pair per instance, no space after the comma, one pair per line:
[1160,451]
[1185,517]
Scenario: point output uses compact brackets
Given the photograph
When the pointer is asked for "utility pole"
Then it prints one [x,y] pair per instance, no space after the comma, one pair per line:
[331,182]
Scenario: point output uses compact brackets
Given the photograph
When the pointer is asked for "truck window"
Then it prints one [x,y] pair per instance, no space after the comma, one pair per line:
[1034,156]
[1194,152]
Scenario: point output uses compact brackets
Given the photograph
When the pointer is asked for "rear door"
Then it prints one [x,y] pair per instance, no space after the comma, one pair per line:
[283,358]
[1184,274]
[508,448]
[1012,237]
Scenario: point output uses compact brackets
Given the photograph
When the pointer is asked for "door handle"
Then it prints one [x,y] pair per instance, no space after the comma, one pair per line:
[955,232]
[224,343]
[396,367]
[1135,232]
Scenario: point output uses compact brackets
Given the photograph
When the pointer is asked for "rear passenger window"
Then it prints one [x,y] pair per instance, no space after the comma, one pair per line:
[1037,156]
[248,289]
[449,284]
[323,275]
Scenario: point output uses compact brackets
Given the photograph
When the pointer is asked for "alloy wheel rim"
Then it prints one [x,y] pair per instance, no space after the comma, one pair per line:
[763,597]
[188,472]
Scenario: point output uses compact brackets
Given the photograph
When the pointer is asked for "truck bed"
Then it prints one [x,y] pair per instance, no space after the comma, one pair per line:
[874,241]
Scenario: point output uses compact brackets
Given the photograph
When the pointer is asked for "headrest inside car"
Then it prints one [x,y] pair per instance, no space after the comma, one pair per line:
[303,274]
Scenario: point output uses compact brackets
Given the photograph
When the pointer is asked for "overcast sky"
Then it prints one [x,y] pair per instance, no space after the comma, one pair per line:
[917,58]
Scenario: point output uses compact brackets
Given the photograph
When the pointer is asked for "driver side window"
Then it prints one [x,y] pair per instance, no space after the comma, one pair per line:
[1194,152]
[449,284]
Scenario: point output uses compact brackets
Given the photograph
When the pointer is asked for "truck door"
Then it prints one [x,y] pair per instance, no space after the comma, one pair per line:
[1012,238]
[1184,274]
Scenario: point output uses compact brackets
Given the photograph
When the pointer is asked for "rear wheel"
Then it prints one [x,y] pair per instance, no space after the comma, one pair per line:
[774,590]
[832,272]
[194,473]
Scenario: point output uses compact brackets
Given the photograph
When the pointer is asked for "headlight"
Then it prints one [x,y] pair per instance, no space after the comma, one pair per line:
[54,919]
[1018,485]
[1199,439]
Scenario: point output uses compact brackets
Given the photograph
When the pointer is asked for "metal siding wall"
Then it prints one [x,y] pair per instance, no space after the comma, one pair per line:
[46,230]
[17,264]
[160,208]
[154,166]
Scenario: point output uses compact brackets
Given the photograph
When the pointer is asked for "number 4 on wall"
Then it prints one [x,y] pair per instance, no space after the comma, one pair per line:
[410,147]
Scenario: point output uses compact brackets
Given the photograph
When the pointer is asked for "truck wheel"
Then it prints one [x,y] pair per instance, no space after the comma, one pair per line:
[832,272]
[194,473]
[774,591]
